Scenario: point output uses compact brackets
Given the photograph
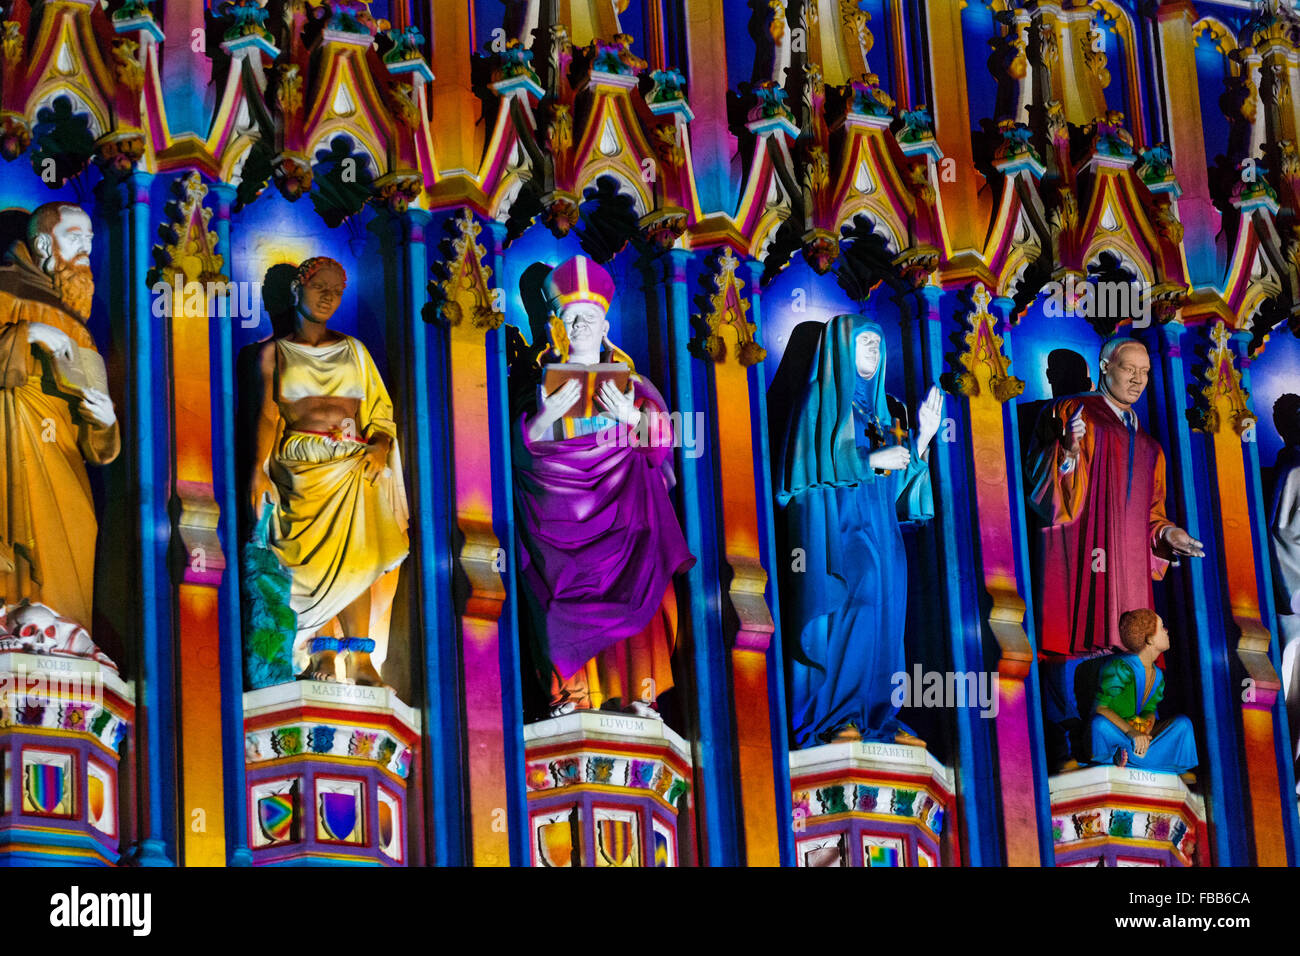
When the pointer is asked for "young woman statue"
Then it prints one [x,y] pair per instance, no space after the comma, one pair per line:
[327,463]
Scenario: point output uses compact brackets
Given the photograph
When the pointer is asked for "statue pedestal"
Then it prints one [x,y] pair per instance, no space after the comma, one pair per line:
[327,766]
[63,721]
[863,803]
[606,789]
[1115,816]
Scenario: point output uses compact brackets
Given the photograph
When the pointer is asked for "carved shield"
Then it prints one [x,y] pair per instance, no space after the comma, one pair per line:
[95,797]
[555,843]
[385,823]
[275,816]
[615,842]
[338,811]
[45,785]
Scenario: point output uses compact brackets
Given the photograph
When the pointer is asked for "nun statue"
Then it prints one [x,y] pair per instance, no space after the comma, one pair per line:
[849,474]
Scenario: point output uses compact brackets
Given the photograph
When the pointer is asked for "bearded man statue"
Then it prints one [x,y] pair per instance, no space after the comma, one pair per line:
[55,415]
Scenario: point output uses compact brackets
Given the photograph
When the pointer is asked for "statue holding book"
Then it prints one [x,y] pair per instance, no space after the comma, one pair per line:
[55,416]
[600,541]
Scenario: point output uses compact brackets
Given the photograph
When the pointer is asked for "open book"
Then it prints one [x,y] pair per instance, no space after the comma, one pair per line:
[591,377]
[85,372]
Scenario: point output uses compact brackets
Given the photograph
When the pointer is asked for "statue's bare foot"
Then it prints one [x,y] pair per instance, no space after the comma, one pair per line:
[908,740]
[846,734]
[361,671]
[643,708]
[1121,757]
[320,667]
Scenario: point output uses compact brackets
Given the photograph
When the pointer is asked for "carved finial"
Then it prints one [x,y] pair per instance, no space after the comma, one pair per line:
[464,292]
[983,363]
[1223,392]
[727,306]
[1220,337]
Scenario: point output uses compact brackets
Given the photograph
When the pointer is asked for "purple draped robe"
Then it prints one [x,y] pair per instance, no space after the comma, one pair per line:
[600,540]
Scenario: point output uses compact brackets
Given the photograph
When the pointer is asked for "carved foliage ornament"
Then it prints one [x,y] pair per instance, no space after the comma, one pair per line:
[186,236]
[1223,388]
[463,292]
[126,63]
[982,359]
[726,306]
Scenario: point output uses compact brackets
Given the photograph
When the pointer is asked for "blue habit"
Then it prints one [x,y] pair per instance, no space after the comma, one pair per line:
[849,604]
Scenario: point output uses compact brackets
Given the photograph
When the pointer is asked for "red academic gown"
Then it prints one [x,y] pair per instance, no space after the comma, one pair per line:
[1103,521]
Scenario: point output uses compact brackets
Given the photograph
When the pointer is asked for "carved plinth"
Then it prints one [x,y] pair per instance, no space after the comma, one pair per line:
[327,766]
[1112,816]
[606,789]
[63,721]
[862,803]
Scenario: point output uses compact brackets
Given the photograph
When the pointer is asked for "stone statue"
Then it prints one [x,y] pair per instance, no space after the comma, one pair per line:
[1284,534]
[600,542]
[54,417]
[1097,481]
[1130,687]
[35,629]
[849,474]
[327,466]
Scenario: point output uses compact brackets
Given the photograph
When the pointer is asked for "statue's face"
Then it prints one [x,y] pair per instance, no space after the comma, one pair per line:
[1161,637]
[866,353]
[585,324]
[70,240]
[320,295]
[1125,375]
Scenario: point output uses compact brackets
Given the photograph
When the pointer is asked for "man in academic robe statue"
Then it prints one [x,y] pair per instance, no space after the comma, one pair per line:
[54,415]
[1097,481]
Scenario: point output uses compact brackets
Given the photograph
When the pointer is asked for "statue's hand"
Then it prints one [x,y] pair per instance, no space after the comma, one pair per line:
[619,406]
[54,342]
[376,461]
[556,405]
[551,408]
[97,407]
[890,459]
[1183,543]
[1141,742]
[261,486]
[1075,429]
[929,418]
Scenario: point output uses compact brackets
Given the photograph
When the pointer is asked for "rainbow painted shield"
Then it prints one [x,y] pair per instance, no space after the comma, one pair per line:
[45,786]
[615,841]
[385,823]
[555,843]
[338,812]
[882,856]
[275,817]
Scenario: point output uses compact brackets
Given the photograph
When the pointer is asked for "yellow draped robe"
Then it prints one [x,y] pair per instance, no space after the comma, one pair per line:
[335,532]
[47,514]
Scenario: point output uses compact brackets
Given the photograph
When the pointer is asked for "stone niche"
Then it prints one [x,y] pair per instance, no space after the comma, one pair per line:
[1120,816]
[607,789]
[64,722]
[327,768]
[861,803]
